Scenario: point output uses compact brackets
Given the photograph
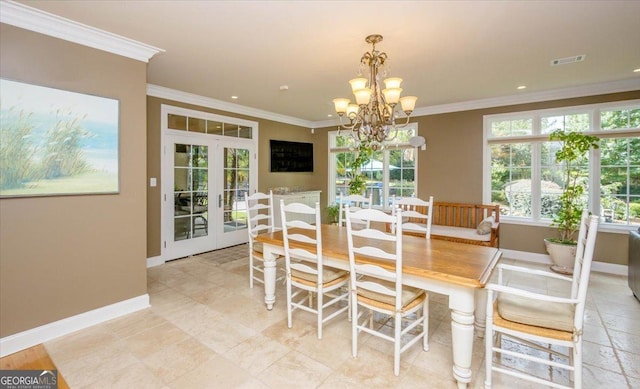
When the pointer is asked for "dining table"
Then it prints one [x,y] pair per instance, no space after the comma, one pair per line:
[457,270]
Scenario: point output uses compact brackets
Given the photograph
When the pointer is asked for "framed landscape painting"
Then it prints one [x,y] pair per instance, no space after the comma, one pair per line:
[56,142]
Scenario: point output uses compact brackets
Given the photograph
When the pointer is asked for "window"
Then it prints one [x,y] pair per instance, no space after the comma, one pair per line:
[525,180]
[391,171]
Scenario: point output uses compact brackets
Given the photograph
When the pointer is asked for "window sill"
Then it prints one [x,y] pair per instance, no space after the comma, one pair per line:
[602,227]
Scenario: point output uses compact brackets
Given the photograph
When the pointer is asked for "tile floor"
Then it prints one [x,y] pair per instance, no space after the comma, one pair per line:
[207,329]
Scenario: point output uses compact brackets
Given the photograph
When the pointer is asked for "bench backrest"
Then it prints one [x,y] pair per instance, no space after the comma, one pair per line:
[463,215]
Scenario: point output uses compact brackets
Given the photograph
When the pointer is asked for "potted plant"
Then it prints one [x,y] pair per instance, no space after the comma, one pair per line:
[333,211]
[358,183]
[567,218]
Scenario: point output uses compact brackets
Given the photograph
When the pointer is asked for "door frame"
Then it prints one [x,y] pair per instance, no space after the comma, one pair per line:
[214,142]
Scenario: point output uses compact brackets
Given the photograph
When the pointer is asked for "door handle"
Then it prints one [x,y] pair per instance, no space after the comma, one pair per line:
[219,201]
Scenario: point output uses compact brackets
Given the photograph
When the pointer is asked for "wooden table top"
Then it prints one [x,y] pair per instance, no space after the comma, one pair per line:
[456,263]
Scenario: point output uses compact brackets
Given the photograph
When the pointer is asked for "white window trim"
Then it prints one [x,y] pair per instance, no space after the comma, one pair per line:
[594,158]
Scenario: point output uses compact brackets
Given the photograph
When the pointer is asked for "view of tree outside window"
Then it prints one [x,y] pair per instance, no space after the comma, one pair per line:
[527,182]
[390,171]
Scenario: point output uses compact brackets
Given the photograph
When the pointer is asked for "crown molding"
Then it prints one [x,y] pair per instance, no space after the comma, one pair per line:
[208,102]
[534,97]
[525,98]
[33,19]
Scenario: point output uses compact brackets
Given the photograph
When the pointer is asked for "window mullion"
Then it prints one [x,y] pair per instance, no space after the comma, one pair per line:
[536,175]
[595,168]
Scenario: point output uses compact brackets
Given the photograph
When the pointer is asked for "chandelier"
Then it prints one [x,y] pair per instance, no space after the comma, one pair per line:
[374,118]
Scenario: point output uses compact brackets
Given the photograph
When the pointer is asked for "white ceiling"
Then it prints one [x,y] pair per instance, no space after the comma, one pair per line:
[447,52]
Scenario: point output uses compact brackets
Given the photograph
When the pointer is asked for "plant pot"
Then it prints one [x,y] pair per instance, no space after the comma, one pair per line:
[563,256]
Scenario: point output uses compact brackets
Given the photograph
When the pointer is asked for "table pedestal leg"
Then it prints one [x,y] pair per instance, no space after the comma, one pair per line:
[462,306]
[269,277]
[481,312]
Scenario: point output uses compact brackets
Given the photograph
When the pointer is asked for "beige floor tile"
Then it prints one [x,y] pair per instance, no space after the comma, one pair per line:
[133,376]
[601,356]
[331,350]
[630,363]
[596,334]
[134,323]
[421,379]
[372,368]
[215,372]
[594,377]
[625,341]
[257,353]
[80,344]
[103,361]
[295,370]
[177,359]
[622,323]
[223,334]
[145,343]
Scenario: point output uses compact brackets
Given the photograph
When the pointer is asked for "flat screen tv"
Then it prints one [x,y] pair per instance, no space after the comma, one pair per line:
[291,156]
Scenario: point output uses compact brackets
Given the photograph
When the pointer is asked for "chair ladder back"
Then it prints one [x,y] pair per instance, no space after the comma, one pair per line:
[380,245]
[355,202]
[581,279]
[583,234]
[259,221]
[417,212]
[310,235]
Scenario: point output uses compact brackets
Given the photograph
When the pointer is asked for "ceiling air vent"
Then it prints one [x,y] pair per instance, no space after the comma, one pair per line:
[564,61]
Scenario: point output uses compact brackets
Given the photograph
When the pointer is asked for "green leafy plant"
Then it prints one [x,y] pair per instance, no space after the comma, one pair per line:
[333,212]
[358,183]
[574,147]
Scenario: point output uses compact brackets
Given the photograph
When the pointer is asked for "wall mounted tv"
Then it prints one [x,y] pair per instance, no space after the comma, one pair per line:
[291,156]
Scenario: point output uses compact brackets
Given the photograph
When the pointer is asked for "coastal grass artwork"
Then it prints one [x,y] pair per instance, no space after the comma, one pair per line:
[56,142]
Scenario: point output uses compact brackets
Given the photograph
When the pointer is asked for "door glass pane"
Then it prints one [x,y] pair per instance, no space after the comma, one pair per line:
[191,199]
[245,132]
[231,130]
[197,125]
[214,128]
[236,183]
[177,122]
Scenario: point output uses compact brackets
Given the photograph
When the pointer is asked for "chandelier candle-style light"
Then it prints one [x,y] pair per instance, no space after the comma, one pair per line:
[372,120]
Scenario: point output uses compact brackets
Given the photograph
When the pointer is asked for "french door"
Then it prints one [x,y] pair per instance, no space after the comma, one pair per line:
[205,179]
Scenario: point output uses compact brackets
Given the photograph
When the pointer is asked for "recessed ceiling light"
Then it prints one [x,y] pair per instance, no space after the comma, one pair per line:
[284,87]
[330,115]
[520,87]
[636,70]
[234,97]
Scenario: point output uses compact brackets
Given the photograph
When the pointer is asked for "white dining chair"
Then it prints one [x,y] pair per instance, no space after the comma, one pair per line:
[377,286]
[416,214]
[259,208]
[306,274]
[541,328]
[355,202]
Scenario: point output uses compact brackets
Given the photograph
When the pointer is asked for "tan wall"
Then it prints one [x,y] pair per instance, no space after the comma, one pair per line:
[62,256]
[267,130]
[451,170]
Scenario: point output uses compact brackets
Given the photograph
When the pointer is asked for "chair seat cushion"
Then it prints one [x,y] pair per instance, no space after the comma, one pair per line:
[329,275]
[409,294]
[537,313]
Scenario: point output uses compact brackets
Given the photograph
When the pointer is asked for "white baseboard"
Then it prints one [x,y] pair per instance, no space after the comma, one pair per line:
[20,341]
[155,261]
[602,267]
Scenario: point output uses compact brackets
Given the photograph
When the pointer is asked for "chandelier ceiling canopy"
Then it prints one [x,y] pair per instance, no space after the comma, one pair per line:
[375,117]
